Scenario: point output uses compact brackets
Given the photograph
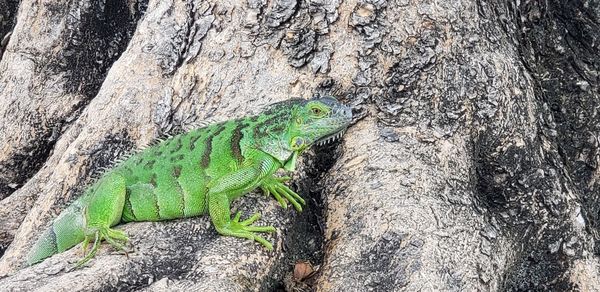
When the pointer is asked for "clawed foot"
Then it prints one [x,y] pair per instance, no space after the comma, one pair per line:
[275,187]
[116,238]
[246,230]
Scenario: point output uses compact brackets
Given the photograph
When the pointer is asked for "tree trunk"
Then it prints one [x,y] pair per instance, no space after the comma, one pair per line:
[472,162]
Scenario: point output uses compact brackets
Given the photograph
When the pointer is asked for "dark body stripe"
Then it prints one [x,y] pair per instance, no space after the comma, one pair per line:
[205,162]
[236,138]
[52,242]
[226,151]
[191,177]
[128,213]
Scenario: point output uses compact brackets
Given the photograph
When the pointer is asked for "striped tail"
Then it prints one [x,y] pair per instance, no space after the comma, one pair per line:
[66,231]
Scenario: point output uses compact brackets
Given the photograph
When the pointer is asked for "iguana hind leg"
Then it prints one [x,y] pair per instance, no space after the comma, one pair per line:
[103,210]
[116,238]
[219,213]
[244,229]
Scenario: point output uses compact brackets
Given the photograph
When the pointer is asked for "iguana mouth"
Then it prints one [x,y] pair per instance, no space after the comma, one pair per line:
[330,138]
[338,120]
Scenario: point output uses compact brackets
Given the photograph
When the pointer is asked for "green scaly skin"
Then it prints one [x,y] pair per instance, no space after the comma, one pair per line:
[196,173]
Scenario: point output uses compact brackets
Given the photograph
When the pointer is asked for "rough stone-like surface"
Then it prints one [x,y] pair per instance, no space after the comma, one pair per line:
[393,223]
[461,184]
[472,164]
[53,62]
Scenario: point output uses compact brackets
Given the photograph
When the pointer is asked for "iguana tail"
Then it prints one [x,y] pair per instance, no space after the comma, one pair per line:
[66,231]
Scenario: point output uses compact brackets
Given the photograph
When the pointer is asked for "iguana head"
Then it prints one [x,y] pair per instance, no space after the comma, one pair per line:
[317,121]
[297,124]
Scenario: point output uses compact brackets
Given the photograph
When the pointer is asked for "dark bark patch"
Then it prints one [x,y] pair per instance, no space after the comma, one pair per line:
[24,163]
[192,231]
[389,263]
[98,38]
[558,47]
[8,16]
[102,155]
[306,236]
[539,269]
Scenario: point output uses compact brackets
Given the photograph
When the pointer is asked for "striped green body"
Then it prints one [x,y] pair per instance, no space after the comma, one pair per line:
[170,180]
[195,173]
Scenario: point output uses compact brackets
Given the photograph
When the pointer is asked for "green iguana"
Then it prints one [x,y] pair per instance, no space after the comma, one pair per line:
[196,173]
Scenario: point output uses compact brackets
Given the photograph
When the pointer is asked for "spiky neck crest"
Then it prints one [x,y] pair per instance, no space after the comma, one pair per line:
[272,132]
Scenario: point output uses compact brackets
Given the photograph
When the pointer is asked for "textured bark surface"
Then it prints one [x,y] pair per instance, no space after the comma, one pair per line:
[472,163]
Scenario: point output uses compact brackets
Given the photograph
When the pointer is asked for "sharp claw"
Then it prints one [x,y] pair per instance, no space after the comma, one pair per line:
[112,236]
[278,197]
[265,192]
[275,187]
[245,230]
[288,195]
[250,220]
[237,216]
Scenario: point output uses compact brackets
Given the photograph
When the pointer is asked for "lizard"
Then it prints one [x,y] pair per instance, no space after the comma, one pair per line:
[197,173]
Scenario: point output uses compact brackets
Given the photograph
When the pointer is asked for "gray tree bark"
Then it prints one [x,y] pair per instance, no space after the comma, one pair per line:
[471,165]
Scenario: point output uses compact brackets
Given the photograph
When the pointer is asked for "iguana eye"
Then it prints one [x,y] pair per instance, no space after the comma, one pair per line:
[316,111]
[297,143]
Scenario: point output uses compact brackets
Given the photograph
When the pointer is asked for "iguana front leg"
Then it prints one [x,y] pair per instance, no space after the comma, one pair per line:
[274,186]
[231,186]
